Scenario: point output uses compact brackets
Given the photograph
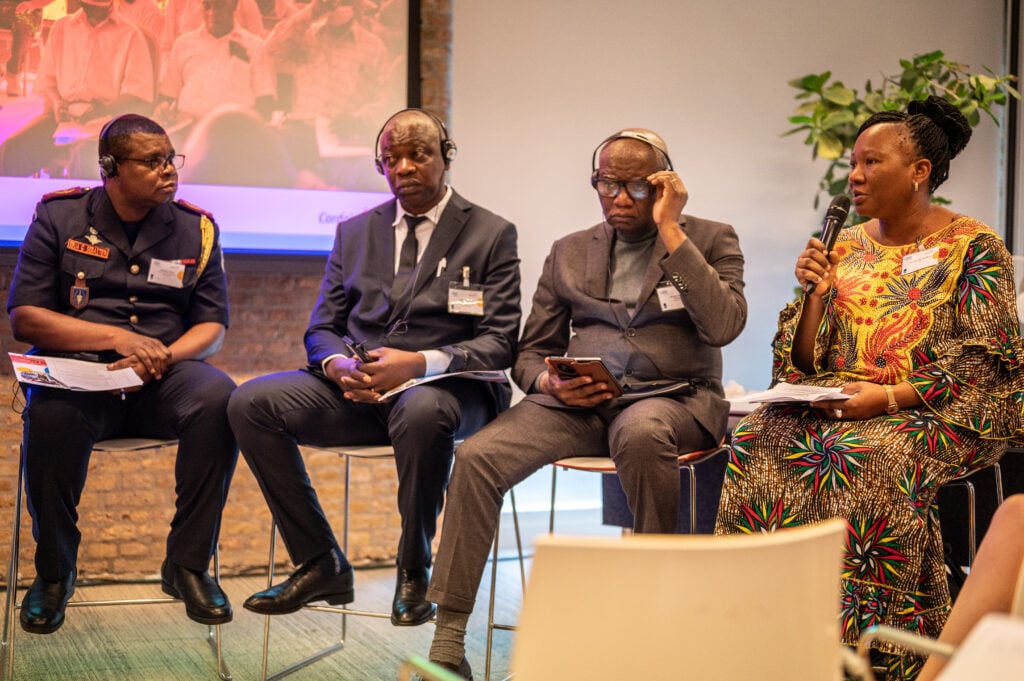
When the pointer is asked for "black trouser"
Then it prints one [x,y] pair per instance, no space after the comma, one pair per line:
[189,403]
[272,415]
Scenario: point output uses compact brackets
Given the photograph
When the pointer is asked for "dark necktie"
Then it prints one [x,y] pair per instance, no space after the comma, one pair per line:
[407,258]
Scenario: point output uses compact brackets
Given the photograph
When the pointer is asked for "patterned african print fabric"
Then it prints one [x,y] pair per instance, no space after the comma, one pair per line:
[950,329]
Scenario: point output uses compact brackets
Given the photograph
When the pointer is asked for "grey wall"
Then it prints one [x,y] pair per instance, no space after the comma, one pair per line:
[537,84]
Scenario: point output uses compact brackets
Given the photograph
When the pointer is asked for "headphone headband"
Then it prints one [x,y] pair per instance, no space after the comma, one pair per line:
[448,148]
[630,135]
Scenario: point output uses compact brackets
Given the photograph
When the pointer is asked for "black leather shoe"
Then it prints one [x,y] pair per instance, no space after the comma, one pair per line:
[411,606]
[311,582]
[462,669]
[205,601]
[42,609]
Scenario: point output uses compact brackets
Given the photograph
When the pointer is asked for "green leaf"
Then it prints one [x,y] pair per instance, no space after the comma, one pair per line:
[829,146]
[839,186]
[837,118]
[874,101]
[837,93]
[811,81]
[982,82]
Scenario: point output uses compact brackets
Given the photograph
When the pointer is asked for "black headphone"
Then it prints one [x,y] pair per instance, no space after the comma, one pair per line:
[631,135]
[448,148]
[107,162]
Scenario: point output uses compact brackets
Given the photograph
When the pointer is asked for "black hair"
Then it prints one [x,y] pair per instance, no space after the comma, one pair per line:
[937,130]
[114,138]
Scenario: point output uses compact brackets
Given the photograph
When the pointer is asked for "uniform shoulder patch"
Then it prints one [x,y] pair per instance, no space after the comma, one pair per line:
[70,193]
[192,208]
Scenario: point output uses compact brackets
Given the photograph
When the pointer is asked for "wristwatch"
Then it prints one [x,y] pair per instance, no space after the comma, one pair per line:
[893,405]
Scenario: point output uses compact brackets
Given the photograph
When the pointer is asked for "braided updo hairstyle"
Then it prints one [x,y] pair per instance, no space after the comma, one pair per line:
[937,130]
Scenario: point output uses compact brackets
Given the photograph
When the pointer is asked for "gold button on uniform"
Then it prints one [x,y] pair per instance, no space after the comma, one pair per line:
[134,319]
[134,269]
[133,299]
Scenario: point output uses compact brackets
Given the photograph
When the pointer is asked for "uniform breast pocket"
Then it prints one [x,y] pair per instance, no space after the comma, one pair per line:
[81,278]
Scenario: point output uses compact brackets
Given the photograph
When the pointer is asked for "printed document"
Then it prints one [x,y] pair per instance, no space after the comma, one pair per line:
[71,374]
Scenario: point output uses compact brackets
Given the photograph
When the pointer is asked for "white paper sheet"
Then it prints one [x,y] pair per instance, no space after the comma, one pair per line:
[71,374]
[787,392]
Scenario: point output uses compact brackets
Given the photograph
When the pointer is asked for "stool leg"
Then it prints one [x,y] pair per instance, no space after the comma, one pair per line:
[213,631]
[999,483]
[551,520]
[12,574]
[971,527]
[490,603]
[519,538]
[693,499]
[270,583]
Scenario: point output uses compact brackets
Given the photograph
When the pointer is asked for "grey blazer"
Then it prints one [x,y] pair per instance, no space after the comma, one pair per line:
[572,314]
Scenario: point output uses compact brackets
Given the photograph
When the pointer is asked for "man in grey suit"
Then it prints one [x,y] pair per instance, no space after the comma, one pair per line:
[652,292]
[423,285]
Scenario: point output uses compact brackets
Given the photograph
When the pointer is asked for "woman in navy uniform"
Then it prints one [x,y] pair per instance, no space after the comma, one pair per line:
[123,274]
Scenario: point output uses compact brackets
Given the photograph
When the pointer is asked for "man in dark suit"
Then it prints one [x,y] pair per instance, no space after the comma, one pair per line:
[426,284]
[124,275]
[653,293]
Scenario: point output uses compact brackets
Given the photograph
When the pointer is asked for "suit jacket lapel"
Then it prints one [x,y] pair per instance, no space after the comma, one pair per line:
[447,230]
[652,276]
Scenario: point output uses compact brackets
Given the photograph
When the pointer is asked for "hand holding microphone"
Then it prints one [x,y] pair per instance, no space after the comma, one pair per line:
[813,263]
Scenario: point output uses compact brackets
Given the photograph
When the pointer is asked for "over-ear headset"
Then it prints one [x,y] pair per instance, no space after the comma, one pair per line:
[448,148]
[107,162]
[631,135]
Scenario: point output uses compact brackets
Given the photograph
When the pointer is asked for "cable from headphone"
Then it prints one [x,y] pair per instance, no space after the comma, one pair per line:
[631,135]
[448,148]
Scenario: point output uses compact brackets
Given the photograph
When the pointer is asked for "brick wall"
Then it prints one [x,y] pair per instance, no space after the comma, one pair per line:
[128,500]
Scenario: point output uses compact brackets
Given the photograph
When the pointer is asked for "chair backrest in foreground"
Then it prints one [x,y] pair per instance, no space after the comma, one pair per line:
[675,606]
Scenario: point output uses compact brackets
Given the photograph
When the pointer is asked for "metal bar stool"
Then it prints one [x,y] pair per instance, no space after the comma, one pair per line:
[594,464]
[113,445]
[968,485]
[347,453]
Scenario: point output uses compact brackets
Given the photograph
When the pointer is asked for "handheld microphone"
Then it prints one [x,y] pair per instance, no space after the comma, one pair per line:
[835,218]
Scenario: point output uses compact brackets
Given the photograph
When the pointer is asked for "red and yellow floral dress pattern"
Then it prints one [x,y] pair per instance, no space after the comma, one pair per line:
[941,315]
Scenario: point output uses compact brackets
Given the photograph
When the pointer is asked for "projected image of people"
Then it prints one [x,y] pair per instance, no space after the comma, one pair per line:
[307,79]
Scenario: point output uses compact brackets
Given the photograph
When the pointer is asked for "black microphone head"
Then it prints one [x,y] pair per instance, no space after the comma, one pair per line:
[835,217]
[839,208]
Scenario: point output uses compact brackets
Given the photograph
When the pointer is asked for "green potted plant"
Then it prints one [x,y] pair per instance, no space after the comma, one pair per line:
[830,113]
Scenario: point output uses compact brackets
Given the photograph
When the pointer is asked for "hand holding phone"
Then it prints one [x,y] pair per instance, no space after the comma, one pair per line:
[574,367]
[356,350]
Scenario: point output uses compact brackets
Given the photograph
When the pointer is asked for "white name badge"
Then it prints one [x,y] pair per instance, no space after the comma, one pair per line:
[466,299]
[918,260]
[166,273]
[668,296]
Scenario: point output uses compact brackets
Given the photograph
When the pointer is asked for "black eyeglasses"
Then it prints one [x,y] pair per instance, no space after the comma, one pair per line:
[157,163]
[638,190]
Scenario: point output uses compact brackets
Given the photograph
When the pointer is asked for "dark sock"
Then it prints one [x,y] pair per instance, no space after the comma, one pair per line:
[334,561]
[449,644]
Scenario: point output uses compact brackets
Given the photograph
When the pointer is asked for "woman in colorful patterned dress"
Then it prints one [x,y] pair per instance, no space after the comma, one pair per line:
[913,314]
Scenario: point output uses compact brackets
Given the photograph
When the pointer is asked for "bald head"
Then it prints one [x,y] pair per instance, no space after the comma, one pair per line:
[642,140]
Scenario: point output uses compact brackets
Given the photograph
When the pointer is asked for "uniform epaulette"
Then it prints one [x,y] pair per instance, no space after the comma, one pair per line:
[192,208]
[69,193]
